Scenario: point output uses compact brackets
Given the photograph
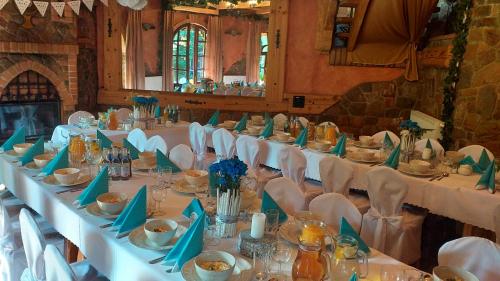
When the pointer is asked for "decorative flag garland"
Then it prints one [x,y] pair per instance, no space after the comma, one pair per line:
[75,6]
[89,4]
[59,7]
[22,5]
[3,3]
[42,6]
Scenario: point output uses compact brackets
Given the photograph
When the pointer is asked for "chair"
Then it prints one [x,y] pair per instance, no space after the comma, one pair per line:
[303,121]
[336,175]
[330,124]
[12,257]
[386,226]
[379,137]
[280,120]
[123,114]
[496,218]
[436,146]
[198,140]
[224,144]
[74,118]
[475,151]
[137,138]
[331,207]
[287,195]
[182,156]
[154,143]
[477,255]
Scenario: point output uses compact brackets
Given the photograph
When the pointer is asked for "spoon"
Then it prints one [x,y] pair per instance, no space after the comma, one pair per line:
[157,260]
[443,176]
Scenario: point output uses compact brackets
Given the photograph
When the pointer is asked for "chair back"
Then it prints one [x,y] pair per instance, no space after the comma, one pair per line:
[331,207]
[387,190]
[436,146]
[137,138]
[496,219]
[287,195]
[477,255]
[182,156]
[248,151]
[154,143]
[293,165]
[56,267]
[198,139]
[34,244]
[224,144]
[330,124]
[123,114]
[74,118]
[6,235]
[379,137]
[303,121]
[336,175]
[475,151]
[279,120]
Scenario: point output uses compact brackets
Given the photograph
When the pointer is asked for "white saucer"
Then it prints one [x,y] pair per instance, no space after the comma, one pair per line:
[242,271]
[32,166]
[289,140]
[139,165]
[313,148]
[139,239]
[245,132]
[406,169]
[51,180]
[362,160]
[371,146]
[94,210]
[182,186]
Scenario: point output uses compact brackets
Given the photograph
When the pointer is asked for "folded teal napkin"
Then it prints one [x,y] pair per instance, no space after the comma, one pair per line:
[393,159]
[134,214]
[267,117]
[163,162]
[302,138]
[105,142]
[214,120]
[18,137]
[484,160]
[469,161]
[268,203]
[158,111]
[354,277]
[268,130]
[242,124]
[59,162]
[388,141]
[339,148]
[97,187]
[487,180]
[33,151]
[134,152]
[346,229]
[193,207]
[189,245]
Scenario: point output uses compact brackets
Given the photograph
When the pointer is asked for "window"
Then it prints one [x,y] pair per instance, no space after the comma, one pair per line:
[188,62]
[263,57]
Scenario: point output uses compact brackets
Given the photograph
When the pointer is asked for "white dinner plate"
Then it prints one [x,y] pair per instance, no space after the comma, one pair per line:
[371,146]
[242,271]
[362,160]
[139,239]
[246,132]
[94,210]
[32,167]
[137,164]
[313,148]
[51,180]
[182,186]
[13,154]
[290,139]
[406,169]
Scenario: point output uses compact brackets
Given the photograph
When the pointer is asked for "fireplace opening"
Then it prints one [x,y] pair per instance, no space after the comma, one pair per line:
[32,101]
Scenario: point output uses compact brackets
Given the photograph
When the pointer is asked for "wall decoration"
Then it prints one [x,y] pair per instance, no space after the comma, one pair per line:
[75,6]
[22,5]
[105,2]
[41,6]
[3,3]
[59,7]
[89,4]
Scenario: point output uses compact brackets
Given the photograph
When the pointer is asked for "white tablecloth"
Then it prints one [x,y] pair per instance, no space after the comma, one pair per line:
[115,258]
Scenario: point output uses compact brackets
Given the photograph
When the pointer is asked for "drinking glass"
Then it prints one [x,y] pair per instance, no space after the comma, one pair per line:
[411,274]
[272,221]
[391,273]
[281,253]
[260,261]
[164,176]
[76,150]
[93,154]
[158,196]
[210,235]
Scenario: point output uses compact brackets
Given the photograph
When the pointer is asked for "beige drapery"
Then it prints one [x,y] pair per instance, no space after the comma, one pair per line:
[168,31]
[390,33]
[134,71]
[255,28]
[213,58]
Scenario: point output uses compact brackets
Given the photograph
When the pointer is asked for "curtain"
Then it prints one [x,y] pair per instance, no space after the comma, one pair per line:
[168,31]
[390,34]
[134,72]
[213,58]
[255,28]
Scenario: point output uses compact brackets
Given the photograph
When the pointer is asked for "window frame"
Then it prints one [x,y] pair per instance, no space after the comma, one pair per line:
[195,60]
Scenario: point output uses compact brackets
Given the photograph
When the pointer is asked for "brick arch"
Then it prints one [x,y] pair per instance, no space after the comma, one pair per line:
[12,72]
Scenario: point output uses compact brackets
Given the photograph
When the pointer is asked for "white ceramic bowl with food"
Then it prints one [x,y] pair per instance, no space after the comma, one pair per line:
[112,202]
[214,265]
[322,145]
[283,136]
[67,175]
[21,148]
[148,158]
[448,273]
[366,140]
[363,154]
[160,231]
[42,160]
[196,177]
[420,166]
[253,130]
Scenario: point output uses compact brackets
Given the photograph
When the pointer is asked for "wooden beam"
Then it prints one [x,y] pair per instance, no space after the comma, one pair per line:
[112,46]
[359,16]
[326,15]
[195,10]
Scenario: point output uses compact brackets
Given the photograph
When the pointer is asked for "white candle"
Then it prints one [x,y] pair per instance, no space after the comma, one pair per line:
[426,153]
[258,225]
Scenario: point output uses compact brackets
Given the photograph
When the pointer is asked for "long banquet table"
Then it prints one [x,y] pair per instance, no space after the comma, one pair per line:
[116,258]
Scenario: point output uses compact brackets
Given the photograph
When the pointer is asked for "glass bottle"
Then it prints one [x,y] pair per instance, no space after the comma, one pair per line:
[166,113]
[116,164]
[293,128]
[126,165]
[178,114]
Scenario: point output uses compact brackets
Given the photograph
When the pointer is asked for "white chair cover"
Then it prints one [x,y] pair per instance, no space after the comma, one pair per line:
[475,151]
[12,258]
[331,207]
[293,165]
[385,227]
[336,175]
[477,255]
[182,156]
[303,121]
[74,118]
[248,150]
[34,244]
[280,120]
[56,267]
[436,146]
[496,217]
[287,195]
[138,138]
[198,140]
[379,137]
[123,114]
[154,143]
[224,144]
[331,124]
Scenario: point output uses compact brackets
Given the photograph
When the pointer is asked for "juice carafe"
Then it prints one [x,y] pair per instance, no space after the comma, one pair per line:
[76,150]
[112,120]
[348,259]
[331,133]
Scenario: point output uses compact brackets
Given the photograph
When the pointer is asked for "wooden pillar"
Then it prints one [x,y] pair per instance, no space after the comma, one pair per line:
[111,21]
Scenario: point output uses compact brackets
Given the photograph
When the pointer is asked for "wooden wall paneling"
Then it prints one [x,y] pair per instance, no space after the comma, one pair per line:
[325,24]
[99,10]
[111,28]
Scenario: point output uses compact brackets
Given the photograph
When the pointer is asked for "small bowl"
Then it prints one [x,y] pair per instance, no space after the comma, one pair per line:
[112,202]
[147,157]
[21,148]
[195,177]
[42,160]
[229,124]
[445,273]
[253,130]
[160,231]
[67,175]
[420,166]
[283,136]
[366,140]
[201,261]
[322,145]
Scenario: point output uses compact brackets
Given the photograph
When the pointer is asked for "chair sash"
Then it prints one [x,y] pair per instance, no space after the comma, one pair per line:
[224,144]
[382,234]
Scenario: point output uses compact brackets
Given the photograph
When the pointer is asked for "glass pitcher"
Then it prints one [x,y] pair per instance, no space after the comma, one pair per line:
[76,150]
[112,120]
[330,133]
[348,259]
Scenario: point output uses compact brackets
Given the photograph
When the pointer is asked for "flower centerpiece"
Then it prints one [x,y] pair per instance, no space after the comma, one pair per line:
[144,111]
[410,131]
[230,173]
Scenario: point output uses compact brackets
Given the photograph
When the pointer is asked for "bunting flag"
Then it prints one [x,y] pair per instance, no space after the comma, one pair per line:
[59,7]
[89,4]
[75,6]
[22,5]
[105,2]
[3,3]
[41,6]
